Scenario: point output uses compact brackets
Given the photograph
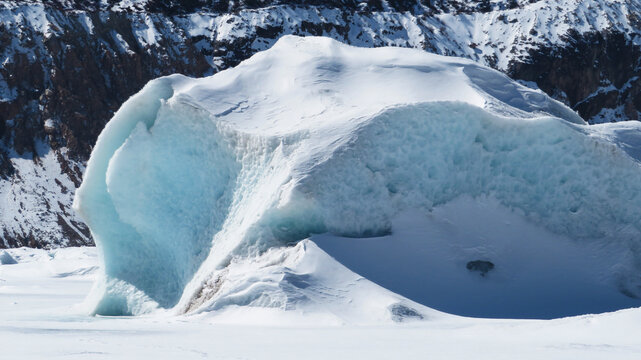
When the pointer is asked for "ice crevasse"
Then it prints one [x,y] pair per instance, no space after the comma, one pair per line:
[207,194]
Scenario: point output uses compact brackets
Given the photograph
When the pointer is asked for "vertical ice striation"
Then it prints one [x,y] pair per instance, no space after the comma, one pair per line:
[161,192]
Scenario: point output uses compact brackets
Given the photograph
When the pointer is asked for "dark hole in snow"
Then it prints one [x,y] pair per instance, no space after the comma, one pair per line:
[480,265]
[384,230]
[402,313]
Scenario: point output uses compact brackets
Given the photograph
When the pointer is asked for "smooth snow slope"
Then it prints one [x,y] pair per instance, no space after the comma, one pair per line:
[37,306]
[197,188]
[537,274]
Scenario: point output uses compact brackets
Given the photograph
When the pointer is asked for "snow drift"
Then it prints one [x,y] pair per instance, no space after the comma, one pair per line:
[202,194]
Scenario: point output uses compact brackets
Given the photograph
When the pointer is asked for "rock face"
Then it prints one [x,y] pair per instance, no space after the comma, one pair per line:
[597,73]
[66,66]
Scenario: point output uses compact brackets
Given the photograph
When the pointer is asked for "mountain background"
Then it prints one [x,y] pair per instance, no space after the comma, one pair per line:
[67,66]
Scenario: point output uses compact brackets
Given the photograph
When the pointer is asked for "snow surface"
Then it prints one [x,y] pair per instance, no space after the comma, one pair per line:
[40,319]
[537,274]
[200,192]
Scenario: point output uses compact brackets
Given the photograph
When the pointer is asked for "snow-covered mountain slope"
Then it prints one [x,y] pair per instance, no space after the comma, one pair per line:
[66,67]
[203,193]
[34,201]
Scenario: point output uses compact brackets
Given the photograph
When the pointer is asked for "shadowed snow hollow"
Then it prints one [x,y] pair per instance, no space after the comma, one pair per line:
[202,194]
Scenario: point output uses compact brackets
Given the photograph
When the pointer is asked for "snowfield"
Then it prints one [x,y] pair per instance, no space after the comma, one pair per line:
[433,176]
[40,319]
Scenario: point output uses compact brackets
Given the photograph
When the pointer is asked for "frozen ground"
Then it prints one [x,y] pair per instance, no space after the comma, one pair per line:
[39,318]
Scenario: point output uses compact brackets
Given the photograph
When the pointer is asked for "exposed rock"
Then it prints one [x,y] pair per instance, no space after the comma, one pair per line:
[598,74]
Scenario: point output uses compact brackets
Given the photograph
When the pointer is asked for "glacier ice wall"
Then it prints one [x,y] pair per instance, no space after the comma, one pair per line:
[163,226]
[194,179]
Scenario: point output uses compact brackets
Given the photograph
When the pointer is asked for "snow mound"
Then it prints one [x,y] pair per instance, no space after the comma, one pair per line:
[200,193]
[7,259]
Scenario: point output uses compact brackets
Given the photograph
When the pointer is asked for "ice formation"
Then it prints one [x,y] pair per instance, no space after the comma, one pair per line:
[203,193]
[7,259]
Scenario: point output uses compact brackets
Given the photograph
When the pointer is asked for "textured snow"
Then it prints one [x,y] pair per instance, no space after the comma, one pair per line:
[40,319]
[627,135]
[197,189]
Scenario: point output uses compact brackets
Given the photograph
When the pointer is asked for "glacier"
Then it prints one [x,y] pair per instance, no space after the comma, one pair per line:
[242,188]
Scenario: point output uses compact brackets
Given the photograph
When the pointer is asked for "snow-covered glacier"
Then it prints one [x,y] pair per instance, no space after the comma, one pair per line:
[415,170]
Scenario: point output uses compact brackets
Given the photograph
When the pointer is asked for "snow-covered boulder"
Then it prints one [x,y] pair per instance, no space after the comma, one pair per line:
[197,189]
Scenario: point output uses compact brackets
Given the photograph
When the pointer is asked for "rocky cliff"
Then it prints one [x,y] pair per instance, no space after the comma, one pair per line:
[66,66]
